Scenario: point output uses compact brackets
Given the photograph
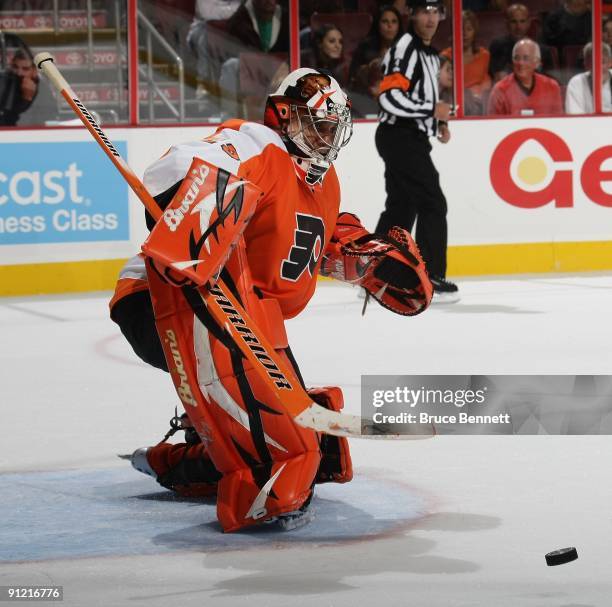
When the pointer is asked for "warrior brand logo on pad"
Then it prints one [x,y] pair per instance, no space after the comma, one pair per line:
[251,339]
[309,239]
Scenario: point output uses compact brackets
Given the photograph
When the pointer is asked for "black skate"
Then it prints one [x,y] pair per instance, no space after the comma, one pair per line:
[445,291]
[293,520]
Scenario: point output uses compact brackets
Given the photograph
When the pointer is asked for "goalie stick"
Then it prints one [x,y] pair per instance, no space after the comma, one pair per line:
[228,312]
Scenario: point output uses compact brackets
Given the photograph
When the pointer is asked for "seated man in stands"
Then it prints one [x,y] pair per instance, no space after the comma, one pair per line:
[258,26]
[518,22]
[525,92]
[24,99]
[579,95]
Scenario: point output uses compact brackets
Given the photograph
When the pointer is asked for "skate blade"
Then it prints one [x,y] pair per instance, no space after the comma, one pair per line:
[445,298]
[289,524]
[291,521]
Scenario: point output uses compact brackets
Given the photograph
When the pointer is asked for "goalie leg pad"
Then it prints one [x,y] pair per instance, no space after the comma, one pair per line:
[336,464]
[261,453]
[242,500]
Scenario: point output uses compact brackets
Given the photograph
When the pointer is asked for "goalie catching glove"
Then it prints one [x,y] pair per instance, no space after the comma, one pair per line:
[389,266]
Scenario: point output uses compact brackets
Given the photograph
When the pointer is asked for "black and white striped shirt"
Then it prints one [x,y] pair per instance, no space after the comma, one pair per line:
[409,88]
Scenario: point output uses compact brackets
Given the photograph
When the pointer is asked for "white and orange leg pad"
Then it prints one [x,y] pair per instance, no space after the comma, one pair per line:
[268,462]
[336,464]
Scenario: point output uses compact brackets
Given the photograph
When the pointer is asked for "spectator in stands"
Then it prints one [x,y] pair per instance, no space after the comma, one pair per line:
[607,31]
[258,26]
[24,100]
[525,92]
[579,94]
[476,77]
[326,52]
[445,80]
[472,106]
[569,25]
[198,41]
[261,25]
[364,72]
[518,22]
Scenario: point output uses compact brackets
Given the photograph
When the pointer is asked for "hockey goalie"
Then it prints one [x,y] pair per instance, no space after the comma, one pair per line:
[263,201]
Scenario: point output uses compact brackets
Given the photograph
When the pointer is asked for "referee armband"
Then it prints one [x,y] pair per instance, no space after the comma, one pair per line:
[394,81]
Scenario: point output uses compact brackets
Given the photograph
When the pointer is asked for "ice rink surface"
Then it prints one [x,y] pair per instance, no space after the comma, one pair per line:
[452,521]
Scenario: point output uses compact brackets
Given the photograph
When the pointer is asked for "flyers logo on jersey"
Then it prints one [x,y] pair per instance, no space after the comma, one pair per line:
[230,150]
[308,239]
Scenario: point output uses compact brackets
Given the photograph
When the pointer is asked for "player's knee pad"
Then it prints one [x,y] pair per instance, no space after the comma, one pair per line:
[247,433]
[336,465]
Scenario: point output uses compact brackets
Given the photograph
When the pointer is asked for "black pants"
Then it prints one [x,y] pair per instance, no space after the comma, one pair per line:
[413,191]
[134,315]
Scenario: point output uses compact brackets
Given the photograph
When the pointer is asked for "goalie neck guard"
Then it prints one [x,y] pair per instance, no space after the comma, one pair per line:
[312,114]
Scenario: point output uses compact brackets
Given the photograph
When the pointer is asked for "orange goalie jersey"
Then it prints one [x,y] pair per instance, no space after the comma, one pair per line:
[293,222]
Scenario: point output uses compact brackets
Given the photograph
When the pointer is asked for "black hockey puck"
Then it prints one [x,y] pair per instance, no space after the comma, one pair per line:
[561,556]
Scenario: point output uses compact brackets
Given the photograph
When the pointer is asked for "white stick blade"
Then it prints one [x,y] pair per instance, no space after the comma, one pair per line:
[323,420]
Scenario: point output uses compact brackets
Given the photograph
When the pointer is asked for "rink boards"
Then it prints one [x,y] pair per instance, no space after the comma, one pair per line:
[523,196]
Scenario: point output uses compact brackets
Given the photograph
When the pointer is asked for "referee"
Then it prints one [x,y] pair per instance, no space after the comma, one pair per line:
[411,113]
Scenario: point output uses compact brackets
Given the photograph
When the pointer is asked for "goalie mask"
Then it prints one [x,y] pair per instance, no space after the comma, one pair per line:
[312,114]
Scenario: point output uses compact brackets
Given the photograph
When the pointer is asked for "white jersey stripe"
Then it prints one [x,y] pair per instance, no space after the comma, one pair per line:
[171,168]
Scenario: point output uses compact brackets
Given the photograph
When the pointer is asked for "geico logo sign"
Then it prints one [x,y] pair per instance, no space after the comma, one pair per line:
[35,187]
[534,167]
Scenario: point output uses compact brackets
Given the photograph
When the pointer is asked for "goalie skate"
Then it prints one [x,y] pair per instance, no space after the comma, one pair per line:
[293,520]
